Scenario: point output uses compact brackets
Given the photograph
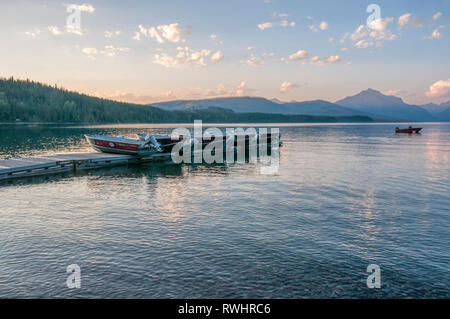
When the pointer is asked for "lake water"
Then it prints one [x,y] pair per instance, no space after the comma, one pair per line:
[345,196]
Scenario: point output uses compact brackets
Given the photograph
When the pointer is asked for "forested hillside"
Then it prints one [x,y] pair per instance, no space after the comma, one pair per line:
[28,101]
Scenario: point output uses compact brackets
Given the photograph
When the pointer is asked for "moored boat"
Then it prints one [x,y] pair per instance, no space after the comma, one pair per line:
[145,144]
[409,130]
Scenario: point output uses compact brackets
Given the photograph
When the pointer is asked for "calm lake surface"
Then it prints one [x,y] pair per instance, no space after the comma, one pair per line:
[345,196]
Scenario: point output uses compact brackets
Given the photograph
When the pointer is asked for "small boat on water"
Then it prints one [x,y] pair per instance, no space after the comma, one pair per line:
[145,144]
[409,130]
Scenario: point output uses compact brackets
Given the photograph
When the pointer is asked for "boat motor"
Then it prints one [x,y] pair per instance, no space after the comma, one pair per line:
[151,140]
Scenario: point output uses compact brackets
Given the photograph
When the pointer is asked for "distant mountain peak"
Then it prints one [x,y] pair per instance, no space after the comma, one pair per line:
[371,97]
[372,91]
[374,102]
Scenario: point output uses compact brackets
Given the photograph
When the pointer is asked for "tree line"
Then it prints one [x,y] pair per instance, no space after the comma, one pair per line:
[29,101]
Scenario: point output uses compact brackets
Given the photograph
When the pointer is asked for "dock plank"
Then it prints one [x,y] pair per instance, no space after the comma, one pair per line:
[45,164]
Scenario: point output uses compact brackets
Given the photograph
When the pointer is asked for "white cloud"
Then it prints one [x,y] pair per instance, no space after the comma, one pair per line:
[108,51]
[255,61]
[437,15]
[323,26]
[282,23]
[217,56]
[137,36]
[111,51]
[33,33]
[344,49]
[213,36]
[166,32]
[171,32]
[287,86]
[393,92]
[345,36]
[435,35]
[363,44]
[380,25]
[313,28]
[74,30]
[186,57]
[406,19]
[359,33]
[89,51]
[265,25]
[54,30]
[110,34]
[325,60]
[403,20]
[243,90]
[439,89]
[86,8]
[299,55]
[378,29]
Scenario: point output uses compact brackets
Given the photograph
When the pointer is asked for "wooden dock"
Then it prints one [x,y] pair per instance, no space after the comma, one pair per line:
[42,165]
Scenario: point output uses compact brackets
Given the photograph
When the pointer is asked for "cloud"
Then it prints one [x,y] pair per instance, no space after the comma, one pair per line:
[282,23]
[313,28]
[344,37]
[435,35]
[439,89]
[323,26]
[403,20]
[110,34]
[89,51]
[32,33]
[213,36]
[255,61]
[325,60]
[137,36]
[243,90]
[222,90]
[130,97]
[108,51]
[54,30]
[359,33]
[299,55]
[287,86]
[437,15]
[363,36]
[186,57]
[266,25]
[86,8]
[363,44]
[166,32]
[74,30]
[394,92]
[217,56]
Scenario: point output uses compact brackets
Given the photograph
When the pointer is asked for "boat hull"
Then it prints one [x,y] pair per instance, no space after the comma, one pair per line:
[117,145]
[409,130]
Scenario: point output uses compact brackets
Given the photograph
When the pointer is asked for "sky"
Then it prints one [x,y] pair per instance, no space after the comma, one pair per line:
[150,51]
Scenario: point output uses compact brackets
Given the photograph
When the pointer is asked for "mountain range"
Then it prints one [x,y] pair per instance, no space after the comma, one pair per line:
[369,102]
